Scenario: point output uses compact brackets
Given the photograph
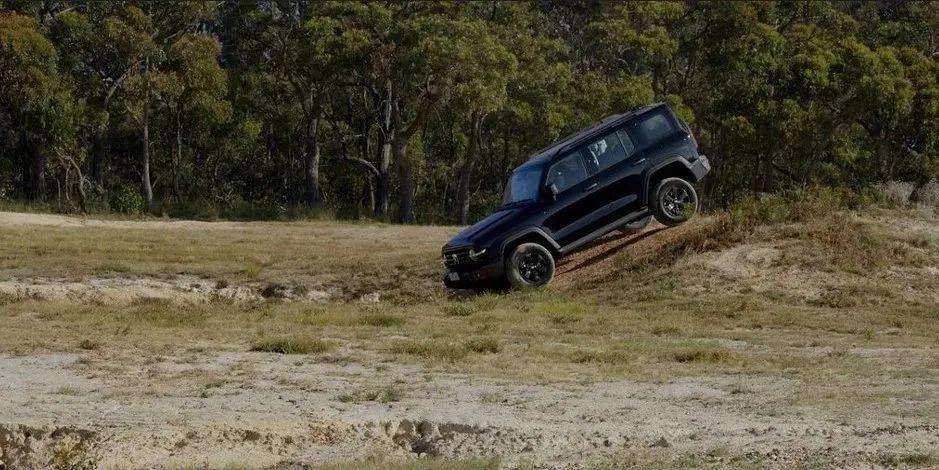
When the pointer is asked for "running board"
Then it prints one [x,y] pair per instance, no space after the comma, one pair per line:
[604,230]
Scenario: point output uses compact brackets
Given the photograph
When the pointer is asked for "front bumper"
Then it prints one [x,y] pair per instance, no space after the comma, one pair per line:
[700,167]
[468,277]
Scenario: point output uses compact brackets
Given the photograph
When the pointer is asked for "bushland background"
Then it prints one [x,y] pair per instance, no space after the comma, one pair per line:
[416,111]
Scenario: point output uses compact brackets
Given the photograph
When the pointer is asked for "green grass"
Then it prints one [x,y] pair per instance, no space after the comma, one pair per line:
[293,345]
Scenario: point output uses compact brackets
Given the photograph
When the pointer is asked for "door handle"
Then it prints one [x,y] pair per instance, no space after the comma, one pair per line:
[640,161]
[591,187]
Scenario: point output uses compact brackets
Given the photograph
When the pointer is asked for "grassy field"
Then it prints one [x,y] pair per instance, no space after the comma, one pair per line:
[843,306]
[652,320]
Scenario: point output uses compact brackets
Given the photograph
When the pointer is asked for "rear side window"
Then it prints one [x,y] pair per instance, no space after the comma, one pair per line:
[606,152]
[651,129]
[567,172]
[627,142]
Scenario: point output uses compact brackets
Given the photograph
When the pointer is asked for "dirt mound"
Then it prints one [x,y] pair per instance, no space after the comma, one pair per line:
[604,257]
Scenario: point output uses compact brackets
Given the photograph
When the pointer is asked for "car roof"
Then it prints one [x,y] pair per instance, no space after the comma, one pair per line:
[547,154]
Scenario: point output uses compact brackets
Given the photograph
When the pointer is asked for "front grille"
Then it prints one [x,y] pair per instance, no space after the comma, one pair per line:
[457,256]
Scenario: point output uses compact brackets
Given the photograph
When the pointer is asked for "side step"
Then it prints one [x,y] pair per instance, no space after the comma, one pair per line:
[604,230]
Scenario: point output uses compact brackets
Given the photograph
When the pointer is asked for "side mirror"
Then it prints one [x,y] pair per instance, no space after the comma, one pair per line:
[551,191]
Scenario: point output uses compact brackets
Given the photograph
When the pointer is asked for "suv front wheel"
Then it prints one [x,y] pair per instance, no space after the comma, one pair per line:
[674,201]
[529,265]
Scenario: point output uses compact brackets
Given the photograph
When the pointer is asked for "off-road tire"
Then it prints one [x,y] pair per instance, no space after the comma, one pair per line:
[674,201]
[636,226]
[529,265]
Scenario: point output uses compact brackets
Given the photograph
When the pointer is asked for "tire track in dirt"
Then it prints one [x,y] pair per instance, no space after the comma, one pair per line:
[604,257]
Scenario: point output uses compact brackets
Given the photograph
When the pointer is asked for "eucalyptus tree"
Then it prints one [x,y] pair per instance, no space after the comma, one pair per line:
[485,67]
[151,82]
[194,95]
[31,95]
[101,45]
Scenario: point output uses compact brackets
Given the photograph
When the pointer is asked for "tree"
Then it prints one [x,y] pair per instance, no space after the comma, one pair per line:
[485,68]
[102,44]
[194,94]
[30,90]
[149,81]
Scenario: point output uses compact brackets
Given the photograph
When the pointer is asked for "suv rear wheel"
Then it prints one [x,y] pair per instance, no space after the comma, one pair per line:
[674,201]
[529,265]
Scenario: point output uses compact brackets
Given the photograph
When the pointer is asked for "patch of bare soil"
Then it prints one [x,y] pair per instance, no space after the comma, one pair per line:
[180,289]
[19,219]
[260,409]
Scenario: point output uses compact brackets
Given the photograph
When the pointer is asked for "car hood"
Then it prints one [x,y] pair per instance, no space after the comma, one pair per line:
[482,233]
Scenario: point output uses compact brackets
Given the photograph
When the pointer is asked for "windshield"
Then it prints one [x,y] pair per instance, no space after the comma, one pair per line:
[522,185]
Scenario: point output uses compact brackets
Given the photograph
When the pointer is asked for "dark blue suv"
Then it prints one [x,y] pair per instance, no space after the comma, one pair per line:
[617,174]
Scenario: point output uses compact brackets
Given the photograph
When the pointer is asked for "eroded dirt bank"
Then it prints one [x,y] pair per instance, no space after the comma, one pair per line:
[267,410]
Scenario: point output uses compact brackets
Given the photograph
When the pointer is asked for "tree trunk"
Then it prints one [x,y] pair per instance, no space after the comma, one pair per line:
[145,158]
[37,174]
[406,183]
[177,158]
[33,167]
[312,164]
[96,162]
[383,185]
[466,170]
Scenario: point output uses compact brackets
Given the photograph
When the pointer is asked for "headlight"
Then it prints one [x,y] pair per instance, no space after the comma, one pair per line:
[475,254]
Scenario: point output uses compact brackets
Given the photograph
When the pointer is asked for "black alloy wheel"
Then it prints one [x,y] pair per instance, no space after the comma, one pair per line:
[530,265]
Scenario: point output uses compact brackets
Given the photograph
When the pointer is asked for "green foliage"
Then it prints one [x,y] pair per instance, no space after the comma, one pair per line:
[362,109]
[127,200]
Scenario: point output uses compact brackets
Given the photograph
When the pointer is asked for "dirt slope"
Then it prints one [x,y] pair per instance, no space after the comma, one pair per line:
[603,258]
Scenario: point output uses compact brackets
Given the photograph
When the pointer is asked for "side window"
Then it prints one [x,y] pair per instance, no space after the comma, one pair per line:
[567,172]
[652,129]
[627,142]
[606,152]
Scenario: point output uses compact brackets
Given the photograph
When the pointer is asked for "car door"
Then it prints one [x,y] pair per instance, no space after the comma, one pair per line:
[619,169]
[569,210]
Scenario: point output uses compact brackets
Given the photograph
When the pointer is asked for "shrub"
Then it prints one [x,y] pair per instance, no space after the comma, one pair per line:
[585,356]
[458,310]
[895,192]
[928,194]
[297,345]
[484,345]
[127,200]
[704,354]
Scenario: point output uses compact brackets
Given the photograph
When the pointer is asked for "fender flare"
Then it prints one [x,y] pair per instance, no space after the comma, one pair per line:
[555,246]
[662,164]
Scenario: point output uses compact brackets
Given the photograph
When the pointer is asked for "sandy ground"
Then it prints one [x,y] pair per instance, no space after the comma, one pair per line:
[22,219]
[282,409]
[179,289]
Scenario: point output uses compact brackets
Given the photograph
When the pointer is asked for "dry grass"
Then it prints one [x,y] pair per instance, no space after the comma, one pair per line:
[379,395]
[353,258]
[293,345]
[379,463]
[652,318]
